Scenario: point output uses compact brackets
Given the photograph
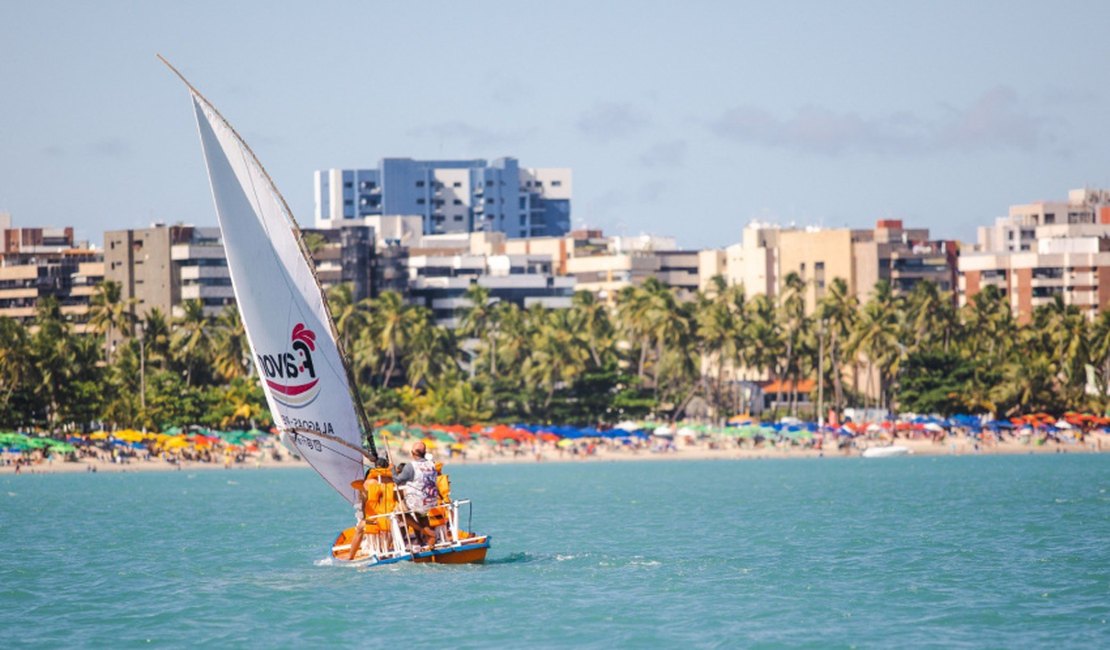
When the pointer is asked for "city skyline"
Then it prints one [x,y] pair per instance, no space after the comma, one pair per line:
[704,114]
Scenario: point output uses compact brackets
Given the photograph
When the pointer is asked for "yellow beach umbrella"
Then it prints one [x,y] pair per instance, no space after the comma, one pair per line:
[129,435]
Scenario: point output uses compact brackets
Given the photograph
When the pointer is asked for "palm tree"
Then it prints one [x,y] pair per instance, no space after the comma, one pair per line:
[53,355]
[192,341]
[1028,382]
[765,333]
[989,327]
[792,312]
[837,311]
[1066,340]
[392,318]
[633,305]
[108,313]
[877,336]
[590,317]
[1099,345]
[557,356]
[717,326]
[480,322]
[231,357]
[351,316]
[15,359]
[932,317]
[430,353]
[156,337]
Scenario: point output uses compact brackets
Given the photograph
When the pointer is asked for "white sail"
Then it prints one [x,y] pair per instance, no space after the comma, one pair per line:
[282,306]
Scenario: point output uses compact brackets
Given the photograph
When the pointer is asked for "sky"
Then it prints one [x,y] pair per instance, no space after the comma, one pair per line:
[687,119]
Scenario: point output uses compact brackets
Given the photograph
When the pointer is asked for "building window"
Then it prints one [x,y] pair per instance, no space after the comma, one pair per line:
[556,183]
[420,201]
[348,185]
[458,201]
[456,184]
[420,183]
[489,183]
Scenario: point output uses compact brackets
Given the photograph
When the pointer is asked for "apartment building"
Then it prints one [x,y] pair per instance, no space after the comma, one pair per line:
[344,256]
[450,196]
[1044,250]
[163,266]
[40,262]
[861,257]
[440,283]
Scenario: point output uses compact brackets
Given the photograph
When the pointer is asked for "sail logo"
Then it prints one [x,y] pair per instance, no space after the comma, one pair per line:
[291,376]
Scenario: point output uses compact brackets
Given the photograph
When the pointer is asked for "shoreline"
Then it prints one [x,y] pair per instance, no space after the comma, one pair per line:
[957,447]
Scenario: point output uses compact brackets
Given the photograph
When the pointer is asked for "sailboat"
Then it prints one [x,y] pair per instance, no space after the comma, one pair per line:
[304,371]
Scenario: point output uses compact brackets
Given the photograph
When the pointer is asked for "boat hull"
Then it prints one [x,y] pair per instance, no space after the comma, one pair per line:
[470,549]
[886,452]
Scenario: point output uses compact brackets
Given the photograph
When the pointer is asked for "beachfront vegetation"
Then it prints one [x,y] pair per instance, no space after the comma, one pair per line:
[650,353]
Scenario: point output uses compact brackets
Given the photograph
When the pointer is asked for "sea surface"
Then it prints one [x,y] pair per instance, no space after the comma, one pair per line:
[990,551]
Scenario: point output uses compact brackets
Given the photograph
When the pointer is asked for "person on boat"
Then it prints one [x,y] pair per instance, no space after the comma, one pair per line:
[418,480]
[377,499]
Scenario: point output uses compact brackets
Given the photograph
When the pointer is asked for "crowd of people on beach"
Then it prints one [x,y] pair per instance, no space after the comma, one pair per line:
[124,451]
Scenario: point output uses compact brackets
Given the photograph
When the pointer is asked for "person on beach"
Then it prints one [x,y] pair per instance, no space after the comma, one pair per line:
[417,480]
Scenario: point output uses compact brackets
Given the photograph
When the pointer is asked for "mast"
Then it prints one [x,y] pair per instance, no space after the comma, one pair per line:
[360,409]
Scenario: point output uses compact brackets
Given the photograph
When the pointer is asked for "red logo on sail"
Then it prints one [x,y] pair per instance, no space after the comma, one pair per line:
[291,376]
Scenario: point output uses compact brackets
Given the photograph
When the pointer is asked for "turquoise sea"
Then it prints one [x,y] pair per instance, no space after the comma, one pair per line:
[1000,552]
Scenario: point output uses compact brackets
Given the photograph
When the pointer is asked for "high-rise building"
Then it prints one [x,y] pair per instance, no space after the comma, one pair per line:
[344,256]
[163,266]
[450,196]
[1043,251]
[40,262]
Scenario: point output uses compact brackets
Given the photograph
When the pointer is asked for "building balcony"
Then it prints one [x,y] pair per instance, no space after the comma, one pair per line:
[18,293]
[199,292]
[200,272]
[181,252]
[1047,282]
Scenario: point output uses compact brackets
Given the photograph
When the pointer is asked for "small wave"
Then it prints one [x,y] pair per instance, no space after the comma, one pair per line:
[233,482]
[12,494]
[513,558]
[324,562]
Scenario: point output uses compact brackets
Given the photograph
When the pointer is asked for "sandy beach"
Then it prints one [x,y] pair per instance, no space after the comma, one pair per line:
[953,446]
